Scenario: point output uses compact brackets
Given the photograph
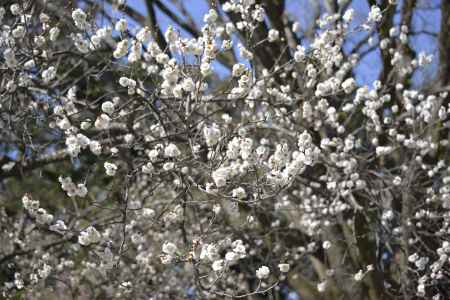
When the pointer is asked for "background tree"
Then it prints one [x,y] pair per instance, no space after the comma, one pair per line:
[255,149]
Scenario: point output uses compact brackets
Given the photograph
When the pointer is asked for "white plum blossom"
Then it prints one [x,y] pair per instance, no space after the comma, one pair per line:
[30,204]
[80,18]
[284,268]
[188,85]
[110,168]
[211,16]
[71,188]
[220,176]
[218,265]
[54,33]
[135,52]
[148,168]
[10,57]
[321,286]
[95,147]
[2,13]
[121,25]
[89,236]
[231,256]
[348,15]
[19,32]
[359,276]
[209,251]
[108,107]
[49,74]
[212,135]
[239,193]
[326,245]
[263,272]
[172,151]
[375,14]
[168,166]
[59,226]
[273,36]
[121,49]
[128,83]
[102,122]
[169,248]
[349,85]
[144,35]
[238,70]
[299,54]
[15,9]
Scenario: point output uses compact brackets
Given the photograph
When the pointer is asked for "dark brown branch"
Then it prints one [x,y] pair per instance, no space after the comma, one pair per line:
[444,44]
[407,13]
[385,26]
[186,26]
[28,251]
[154,26]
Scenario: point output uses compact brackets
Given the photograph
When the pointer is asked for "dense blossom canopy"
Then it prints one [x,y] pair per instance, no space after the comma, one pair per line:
[286,180]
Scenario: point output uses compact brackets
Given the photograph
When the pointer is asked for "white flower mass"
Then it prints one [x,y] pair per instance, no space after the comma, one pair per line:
[249,150]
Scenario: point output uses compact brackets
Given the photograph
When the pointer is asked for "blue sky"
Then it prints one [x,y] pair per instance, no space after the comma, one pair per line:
[368,69]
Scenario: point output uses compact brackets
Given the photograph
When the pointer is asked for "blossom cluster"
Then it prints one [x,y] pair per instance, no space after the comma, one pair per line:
[222,189]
